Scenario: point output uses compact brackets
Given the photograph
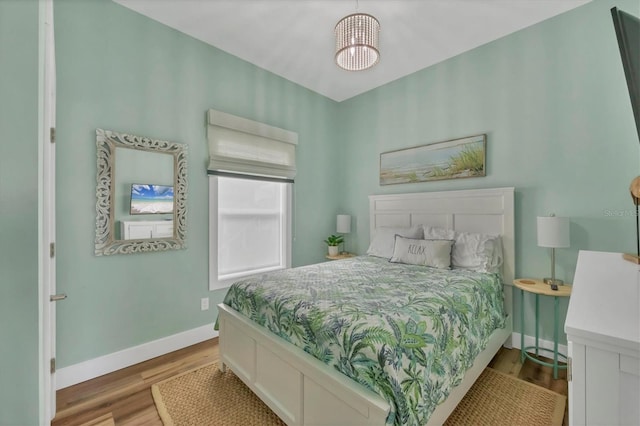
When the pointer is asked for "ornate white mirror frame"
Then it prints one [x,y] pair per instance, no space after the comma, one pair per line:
[106,243]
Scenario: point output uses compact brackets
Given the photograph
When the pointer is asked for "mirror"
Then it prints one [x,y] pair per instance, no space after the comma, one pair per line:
[141,194]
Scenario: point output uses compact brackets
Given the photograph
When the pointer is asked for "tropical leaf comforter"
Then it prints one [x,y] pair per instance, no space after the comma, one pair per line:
[406,332]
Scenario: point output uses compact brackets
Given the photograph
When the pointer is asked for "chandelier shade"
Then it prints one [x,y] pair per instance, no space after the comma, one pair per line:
[357,42]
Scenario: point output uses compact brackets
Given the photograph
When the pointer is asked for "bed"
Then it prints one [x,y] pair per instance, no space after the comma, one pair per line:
[302,390]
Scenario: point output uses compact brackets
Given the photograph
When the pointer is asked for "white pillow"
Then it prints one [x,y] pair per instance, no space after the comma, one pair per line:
[431,233]
[384,239]
[478,252]
[434,253]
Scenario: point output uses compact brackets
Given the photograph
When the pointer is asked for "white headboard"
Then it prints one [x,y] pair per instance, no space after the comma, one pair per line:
[488,211]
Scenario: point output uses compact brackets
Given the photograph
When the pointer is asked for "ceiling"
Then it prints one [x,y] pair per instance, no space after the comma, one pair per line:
[294,38]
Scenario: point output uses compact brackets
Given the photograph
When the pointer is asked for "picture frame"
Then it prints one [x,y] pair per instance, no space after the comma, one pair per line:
[107,240]
[151,199]
[452,159]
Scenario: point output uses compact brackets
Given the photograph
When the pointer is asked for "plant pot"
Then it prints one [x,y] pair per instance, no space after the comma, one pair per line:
[333,250]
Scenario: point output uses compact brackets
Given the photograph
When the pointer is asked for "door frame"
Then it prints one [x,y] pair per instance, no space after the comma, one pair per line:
[46,210]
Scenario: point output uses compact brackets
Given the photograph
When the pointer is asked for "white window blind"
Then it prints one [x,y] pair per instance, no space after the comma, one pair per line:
[249,228]
[241,146]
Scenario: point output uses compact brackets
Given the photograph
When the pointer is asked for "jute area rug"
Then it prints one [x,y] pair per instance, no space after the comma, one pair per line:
[206,396]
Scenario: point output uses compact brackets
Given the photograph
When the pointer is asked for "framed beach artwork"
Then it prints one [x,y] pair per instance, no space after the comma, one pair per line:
[453,159]
[151,199]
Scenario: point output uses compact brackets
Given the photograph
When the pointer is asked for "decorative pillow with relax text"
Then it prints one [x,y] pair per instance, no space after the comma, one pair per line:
[434,253]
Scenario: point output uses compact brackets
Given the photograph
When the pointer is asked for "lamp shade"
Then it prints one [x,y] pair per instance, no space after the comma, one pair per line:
[553,231]
[343,223]
[357,42]
[634,188]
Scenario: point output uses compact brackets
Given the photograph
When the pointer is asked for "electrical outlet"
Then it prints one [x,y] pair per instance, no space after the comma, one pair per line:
[204,304]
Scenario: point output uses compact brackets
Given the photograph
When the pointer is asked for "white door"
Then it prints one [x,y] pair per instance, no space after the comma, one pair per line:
[48,297]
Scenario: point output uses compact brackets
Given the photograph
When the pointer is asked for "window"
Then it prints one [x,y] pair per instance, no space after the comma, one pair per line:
[249,223]
[251,170]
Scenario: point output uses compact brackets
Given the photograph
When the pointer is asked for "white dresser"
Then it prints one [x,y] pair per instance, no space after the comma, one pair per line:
[140,230]
[603,333]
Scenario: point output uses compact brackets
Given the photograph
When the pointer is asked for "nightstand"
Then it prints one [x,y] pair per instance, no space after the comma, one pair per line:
[538,287]
[340,256]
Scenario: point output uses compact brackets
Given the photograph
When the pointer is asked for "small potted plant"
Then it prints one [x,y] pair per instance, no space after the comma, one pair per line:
[333,241]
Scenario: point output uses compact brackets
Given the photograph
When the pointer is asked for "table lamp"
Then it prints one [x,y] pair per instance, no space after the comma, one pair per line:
[343,226]
[553,232]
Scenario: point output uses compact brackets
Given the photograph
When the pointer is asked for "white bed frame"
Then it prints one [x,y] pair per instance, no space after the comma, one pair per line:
[302,390]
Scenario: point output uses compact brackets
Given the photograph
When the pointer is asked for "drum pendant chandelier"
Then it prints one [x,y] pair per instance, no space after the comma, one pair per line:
[357,42]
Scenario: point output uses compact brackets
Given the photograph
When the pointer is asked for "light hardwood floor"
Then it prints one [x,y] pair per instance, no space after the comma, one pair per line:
[125,395]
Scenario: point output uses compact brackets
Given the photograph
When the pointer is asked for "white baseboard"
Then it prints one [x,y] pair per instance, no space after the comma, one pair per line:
[90,369]
[96,367]
[546,344]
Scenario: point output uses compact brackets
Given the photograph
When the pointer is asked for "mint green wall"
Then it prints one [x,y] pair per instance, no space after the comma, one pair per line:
[120,71]
[553,102]
[551,98]
[19,213]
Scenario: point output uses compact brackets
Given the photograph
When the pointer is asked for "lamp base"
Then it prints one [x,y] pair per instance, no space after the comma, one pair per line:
[631,258]
[551,281]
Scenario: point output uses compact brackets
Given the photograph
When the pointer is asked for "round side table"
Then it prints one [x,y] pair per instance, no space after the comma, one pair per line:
[538,287]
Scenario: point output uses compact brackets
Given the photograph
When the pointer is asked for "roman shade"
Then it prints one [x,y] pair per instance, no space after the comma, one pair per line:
[239,146]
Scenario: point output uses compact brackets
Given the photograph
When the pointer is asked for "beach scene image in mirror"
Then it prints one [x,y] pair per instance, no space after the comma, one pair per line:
[151,199]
